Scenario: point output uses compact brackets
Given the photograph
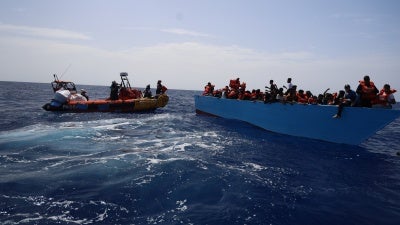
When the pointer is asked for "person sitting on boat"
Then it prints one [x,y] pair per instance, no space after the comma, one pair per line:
[208,89]
[161,89]
[367,92]
[338,98]
[385,97]
[302,97]
[292,95]
[349,99]
[311,99]
[114,90]
[256,95]
[329,98]
[225,92]
[234,89]
[273,91]
[280,97]
[245,95]
[147,92]
[84,94]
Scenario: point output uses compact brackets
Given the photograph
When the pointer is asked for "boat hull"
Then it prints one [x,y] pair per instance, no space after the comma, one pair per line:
[311,121]
[129,105]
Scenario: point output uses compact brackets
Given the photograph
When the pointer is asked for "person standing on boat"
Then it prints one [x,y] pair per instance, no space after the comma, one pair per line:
[289,85]
[350,99]
[367,92]
[161,89]
[114,90]
[147,92]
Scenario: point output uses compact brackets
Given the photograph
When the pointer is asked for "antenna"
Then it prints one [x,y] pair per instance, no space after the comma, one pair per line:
[65,71]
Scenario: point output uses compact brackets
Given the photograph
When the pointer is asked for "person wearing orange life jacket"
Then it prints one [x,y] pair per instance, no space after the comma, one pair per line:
[302,97]
[234,91]
[311,99]
[208,89]
[386,97]
[367,92]
[235,84]
[292,95]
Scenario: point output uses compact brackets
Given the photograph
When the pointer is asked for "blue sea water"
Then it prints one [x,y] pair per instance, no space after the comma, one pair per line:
[172,166]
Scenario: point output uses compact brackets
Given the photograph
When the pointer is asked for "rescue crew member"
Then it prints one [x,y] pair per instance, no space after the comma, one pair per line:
[147,92]
[161,89]
[84,94]
[114,90]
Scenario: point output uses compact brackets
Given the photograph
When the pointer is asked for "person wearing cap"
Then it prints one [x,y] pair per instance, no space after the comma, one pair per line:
[350,99]
[367,92]
[84,94]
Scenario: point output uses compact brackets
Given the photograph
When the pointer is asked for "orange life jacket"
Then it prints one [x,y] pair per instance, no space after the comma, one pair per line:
[312,100]
[234,84]
[302,98]
[368,92]
[383,97]
[232,94]
[126,93]
[163,89]
[207,90]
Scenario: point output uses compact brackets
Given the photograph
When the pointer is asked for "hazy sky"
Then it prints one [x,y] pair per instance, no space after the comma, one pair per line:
[320,44]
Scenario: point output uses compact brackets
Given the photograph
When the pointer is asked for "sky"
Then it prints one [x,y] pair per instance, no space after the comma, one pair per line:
[320,44]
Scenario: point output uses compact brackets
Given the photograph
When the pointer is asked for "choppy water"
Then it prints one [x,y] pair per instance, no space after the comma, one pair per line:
[175,167]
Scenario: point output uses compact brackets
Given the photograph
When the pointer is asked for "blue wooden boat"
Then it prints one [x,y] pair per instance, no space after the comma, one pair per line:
[355,126]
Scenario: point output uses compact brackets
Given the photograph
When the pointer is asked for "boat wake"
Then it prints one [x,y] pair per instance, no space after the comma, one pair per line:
[146,169]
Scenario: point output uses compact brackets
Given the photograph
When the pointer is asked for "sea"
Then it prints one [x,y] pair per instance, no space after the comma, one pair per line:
[172,166]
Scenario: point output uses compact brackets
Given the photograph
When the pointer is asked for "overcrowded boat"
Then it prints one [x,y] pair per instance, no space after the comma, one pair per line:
[315,121]
[123,98]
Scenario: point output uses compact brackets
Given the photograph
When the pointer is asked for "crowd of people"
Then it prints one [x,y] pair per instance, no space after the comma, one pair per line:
[366,94]
[117,92]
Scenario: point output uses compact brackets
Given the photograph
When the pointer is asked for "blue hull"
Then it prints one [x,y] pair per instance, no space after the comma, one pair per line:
[310,121]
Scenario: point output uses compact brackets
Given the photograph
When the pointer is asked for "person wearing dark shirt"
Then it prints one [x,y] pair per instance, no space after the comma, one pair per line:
[84,94]
[147,92]
[350,99]
[159,88]
[114,90]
